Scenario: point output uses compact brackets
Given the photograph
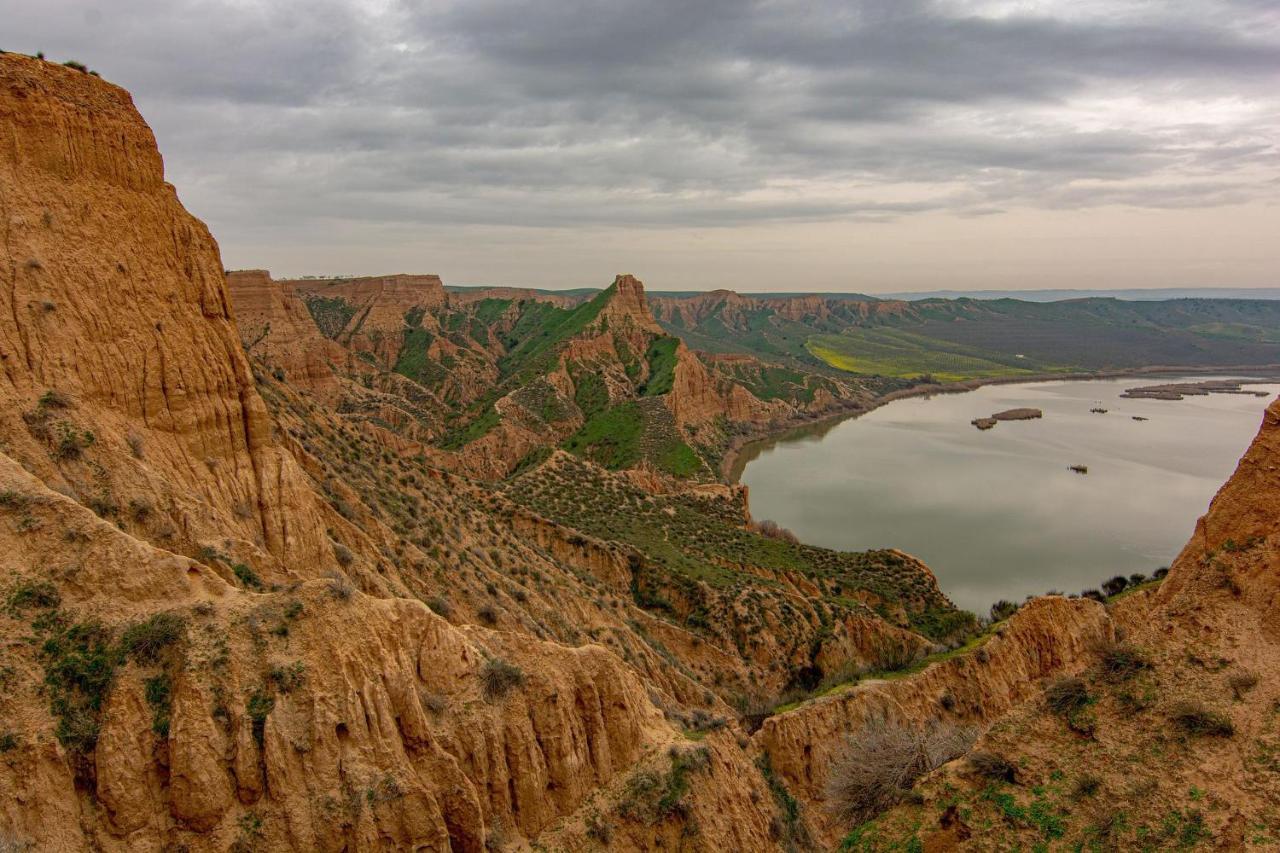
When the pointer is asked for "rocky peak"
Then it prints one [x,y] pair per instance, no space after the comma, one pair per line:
[628,306]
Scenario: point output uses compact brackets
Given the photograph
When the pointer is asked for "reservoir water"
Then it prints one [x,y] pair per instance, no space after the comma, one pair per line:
[998,513]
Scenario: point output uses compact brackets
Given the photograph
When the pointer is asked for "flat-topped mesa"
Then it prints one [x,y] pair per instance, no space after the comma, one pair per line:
[403,289]
[689,311]
[376,308]
[458,298]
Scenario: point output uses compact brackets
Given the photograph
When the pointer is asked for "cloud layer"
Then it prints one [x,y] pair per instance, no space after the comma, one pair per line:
[283,122]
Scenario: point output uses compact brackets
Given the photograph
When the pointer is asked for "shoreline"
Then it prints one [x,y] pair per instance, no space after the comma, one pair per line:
[735,459]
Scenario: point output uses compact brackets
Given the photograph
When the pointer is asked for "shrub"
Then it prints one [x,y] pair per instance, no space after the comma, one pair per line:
[55,399]
[246,575]
[144,641]
[1086,786]
[8,743]
[894,656]
[1115,586]
[342,554]
[773,530]
[881,764]
[436,703]
[340,585]
[1002,610]
[288,678]
[1066,695]
[498,678]
[992,766]
[71,442]
[159,693]
[440,606]
[1094,595]
[80,662]
[1194,718]
[1122,661]
[652,797]
[140,509]
[1242,681]
[38,594]
[488,615]
[257,707]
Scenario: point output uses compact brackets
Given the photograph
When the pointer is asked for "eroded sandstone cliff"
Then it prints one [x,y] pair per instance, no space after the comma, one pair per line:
[251,600]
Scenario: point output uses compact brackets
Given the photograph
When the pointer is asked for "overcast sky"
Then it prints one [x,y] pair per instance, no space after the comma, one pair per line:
[774,145]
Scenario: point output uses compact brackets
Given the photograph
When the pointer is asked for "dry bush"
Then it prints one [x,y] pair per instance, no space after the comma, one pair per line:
[1242,681]
[992,766]
[436,703]
[1195,719]
[499,677]
[339,585]
[1121,661]
[773,530]
[1086,786]
[1066,695]
[880,765]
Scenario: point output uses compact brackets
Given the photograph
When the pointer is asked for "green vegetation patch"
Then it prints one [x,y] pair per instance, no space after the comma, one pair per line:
[661,357]
[899,353]
[541,326]
[412,360]
[611,437]
[332,314]
[680,460]
[590,393]
[477,427]
[489,311]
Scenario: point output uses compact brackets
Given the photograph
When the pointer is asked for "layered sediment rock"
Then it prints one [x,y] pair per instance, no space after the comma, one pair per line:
[275,326]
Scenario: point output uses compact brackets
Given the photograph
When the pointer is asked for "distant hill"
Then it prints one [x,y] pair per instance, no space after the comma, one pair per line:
[955,339]
[1133,294]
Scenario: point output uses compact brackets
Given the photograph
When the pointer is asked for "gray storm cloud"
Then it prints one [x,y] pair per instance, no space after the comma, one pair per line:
[285,123]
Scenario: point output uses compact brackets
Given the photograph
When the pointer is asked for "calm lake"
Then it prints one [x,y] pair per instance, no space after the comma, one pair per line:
[998,514]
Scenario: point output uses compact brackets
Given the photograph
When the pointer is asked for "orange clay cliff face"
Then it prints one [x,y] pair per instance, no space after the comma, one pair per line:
[367,564]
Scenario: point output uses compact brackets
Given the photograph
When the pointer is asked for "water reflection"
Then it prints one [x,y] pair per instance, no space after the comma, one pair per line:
[998,514]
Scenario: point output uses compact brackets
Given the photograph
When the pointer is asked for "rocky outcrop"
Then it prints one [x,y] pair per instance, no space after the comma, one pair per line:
[1046,637]
[699,397]
[124,381]
[1241,520]
[628,307]
[276,327]
[377,308]
[460,297]
[268,710]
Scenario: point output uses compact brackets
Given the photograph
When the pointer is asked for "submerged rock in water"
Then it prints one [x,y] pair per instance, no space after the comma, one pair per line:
[983,423]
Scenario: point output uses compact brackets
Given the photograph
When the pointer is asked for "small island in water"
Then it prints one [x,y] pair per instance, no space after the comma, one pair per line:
[1180,390]
[1023,414]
